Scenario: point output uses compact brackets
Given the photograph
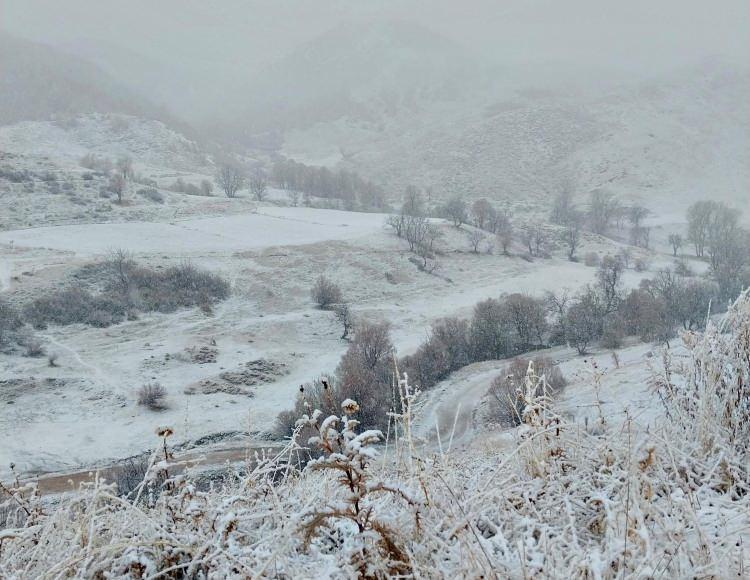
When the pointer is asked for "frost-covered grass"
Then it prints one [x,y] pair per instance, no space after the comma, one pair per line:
[609,500]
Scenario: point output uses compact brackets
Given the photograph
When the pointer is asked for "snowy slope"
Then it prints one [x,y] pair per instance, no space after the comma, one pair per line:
[150,143]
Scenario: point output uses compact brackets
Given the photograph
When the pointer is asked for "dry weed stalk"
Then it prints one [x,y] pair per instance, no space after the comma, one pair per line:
[378,546]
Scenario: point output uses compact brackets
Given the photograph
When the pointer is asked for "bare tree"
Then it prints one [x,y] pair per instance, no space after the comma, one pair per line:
[562,206]
[122,263]
[397,222]
[346,319]
[413,202]
[557,304]
[602,209]
[504,231]
[455,210]
[571,235]
[125,167]
[415,230]
[481,211]
[10,321]
[609,283]
[476,237]
[583,322]
[365,373]
[118,185]
[326,293]
[534,238]
[539,239]
[699,217]
[640,236]
[231,179]
[293,197]
[207,188]
[490,331]
[258,186]
[636,215]
[675,241]
[526,316]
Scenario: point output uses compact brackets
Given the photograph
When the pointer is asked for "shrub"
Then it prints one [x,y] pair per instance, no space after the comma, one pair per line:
[151,194]
[73,306]
[152,395]
[34,348]
[506,392]
[176,287]
[325,293]
[365,373]
[10,322]
[591,259]
[127,288]
[682,268]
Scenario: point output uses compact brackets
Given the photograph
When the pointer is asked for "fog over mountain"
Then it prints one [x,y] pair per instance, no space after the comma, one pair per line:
[200,57]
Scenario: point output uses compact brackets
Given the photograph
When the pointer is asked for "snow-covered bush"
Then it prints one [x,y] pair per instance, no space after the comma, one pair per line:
[10,322]
[152,395]
[151,194]
[326,293]
[507,392]
[126,288]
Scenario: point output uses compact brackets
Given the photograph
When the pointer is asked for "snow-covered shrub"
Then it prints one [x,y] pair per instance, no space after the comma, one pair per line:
[376,548]
[152,395]
[10,322]
[325,293]
[71,306]
[151,194]
[125,288]
[591,259]
[507,394]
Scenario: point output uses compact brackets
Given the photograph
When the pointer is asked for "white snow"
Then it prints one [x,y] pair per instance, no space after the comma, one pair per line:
[270,226]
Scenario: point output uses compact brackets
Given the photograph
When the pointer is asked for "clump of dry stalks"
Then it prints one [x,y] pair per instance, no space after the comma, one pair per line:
[617,500]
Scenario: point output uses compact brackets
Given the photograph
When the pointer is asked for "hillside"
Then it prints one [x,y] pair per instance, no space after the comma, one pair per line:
[681,136]
[367,71]
[38,82]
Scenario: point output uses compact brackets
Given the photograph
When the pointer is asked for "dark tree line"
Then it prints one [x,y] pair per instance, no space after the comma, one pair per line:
[353,190]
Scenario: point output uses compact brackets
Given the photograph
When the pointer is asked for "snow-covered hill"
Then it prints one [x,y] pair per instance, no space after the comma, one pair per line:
[683,137]
[148,142]
[39,82]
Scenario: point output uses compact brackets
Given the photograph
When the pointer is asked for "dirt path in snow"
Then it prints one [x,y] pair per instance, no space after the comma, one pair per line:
[56,483]
[447,418]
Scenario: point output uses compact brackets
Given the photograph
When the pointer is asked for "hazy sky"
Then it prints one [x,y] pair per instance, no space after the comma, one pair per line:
[211,42]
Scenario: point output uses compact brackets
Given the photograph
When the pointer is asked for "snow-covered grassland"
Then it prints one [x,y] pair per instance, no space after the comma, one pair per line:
[271,258]
[568,497]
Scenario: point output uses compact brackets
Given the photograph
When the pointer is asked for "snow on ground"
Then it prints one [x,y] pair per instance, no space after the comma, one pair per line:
[84,412]
[149,142]
[453,414]
[270,226]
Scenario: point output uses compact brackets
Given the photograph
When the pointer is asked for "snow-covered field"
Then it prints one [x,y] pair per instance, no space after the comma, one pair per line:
[84,411]
[270,226]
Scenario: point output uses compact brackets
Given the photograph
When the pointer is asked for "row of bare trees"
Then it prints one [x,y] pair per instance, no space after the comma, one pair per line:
[348,187]
[231,178]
